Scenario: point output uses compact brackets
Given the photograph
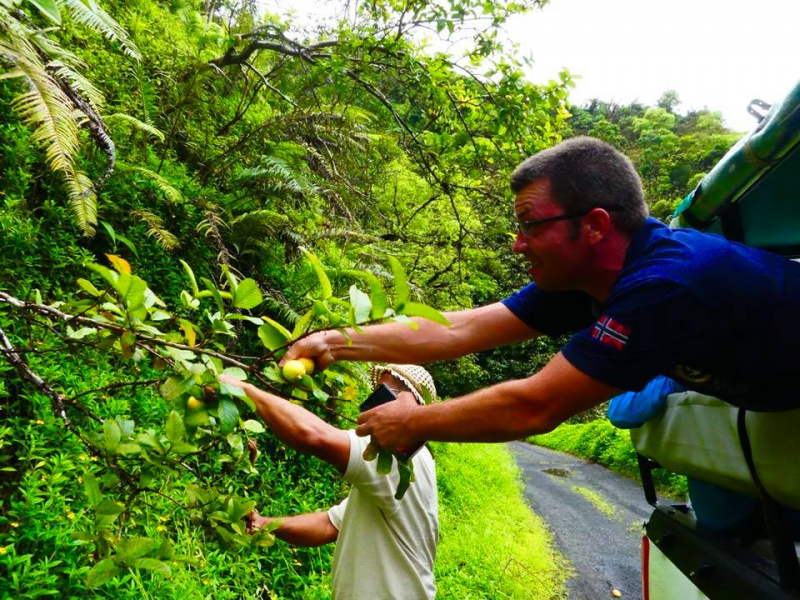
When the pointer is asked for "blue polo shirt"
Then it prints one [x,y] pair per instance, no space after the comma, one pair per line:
[719,317]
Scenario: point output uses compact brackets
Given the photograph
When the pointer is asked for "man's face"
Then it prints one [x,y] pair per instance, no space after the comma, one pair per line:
[393,383]
[558,257]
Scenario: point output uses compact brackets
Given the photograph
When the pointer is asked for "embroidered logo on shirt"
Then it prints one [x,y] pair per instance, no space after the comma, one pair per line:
[610,332]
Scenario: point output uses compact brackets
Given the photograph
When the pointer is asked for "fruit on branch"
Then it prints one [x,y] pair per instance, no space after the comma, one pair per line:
[293,370]
[193,404]
[309,365]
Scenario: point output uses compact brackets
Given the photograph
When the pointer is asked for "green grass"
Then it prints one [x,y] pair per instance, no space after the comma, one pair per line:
[596,500]
[492,545]
[601,442]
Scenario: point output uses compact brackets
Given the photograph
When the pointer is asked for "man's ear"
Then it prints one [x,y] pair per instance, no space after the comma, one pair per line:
[596,225]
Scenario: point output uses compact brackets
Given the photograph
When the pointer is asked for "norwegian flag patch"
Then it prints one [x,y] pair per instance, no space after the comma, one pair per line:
[610,332]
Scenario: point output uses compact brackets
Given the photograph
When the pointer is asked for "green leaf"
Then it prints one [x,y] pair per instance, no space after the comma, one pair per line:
[326,290]
[191,277]
[175,428]
[376,293]
[92,488]
[135,547]
[361,303]
[401,289]
[302,324]
[385,459]
[128,449]
[253,426]
[112,434]
[166,551]
[104,272]
[89,288]
[109,508]
[176,386]
[272,334]
[152,564]
[131,290]
[247,295]
[228,416]
[102,572]
[49,8]
[416,309]
[406,471]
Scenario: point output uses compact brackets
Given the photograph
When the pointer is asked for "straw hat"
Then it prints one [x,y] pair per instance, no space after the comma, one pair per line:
[414,376]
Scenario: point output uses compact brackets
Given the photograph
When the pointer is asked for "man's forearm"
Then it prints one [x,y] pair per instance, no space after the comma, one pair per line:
[469,331]
[499,413]
[314,529]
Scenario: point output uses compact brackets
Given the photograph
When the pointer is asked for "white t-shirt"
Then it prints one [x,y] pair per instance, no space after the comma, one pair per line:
[386,547]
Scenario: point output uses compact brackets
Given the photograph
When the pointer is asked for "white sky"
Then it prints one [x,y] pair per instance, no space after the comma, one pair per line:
[716,54]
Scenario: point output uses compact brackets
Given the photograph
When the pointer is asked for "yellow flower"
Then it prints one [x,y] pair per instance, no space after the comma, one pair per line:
[39,422]
[80,479]
[92,458]
[161,528]
[70,515]
[14,524]
[163,518]
[298,563]
[43,478]
[83,457]
[3,549]
[349,393]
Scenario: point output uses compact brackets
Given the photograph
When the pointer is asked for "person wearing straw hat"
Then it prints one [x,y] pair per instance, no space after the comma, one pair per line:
[385,547]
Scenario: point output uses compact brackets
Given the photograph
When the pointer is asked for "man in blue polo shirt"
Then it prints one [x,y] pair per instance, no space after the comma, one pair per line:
[640,300]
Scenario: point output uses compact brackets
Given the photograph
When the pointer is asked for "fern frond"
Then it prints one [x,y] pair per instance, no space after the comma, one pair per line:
[275,176]
[258,223]
[172,194]
[350,235]
[156,230]
[51,115]
[45,108]
[79,83]
[96,18]
[154,131]
[82,202]
[280,310]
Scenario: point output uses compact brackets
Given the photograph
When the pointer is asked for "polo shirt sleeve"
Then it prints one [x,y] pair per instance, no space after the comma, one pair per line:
[336,514]
[642,332]
[550,313]
[363,475]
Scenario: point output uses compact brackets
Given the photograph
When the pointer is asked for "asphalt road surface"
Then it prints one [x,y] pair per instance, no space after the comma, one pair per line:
[601,538]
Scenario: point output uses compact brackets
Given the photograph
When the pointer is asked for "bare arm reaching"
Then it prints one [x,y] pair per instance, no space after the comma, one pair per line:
[507,411]
[470,331]
[313,529]
[297,427]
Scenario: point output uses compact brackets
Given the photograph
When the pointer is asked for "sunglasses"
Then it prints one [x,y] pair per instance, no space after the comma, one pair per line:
[528,228]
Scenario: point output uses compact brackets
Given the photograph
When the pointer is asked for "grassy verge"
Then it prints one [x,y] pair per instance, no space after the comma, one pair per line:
[601,442]
[492,545]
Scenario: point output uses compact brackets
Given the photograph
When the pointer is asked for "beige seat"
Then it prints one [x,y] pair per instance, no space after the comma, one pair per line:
[697,436]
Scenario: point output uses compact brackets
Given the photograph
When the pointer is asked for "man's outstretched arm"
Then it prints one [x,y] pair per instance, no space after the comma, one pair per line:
[297,427]
[507,411]
[313,529]
[469,331]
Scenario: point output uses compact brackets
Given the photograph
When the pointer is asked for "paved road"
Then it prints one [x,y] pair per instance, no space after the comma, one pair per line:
[603,549]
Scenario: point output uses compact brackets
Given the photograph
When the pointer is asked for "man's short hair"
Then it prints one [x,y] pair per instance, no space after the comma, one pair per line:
[584,173]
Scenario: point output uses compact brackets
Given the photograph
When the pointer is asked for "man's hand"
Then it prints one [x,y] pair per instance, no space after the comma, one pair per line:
[390,424]
[317,346]
[255,521]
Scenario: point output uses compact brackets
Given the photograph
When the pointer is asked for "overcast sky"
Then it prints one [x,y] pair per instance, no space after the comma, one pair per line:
[718,54]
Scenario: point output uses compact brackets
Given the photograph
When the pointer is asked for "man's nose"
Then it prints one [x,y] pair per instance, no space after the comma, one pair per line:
[520,243]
